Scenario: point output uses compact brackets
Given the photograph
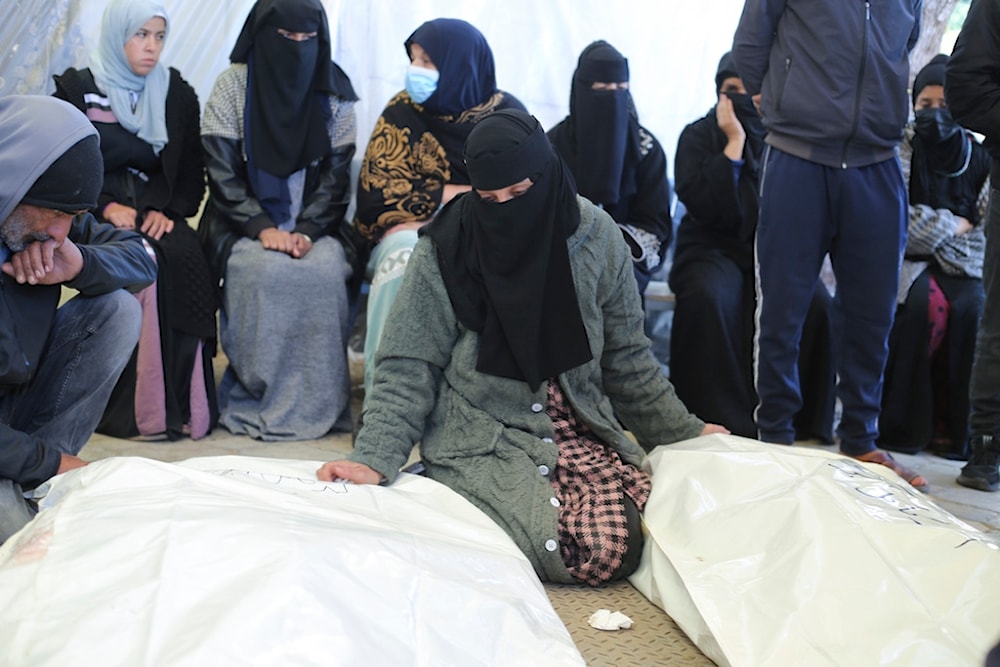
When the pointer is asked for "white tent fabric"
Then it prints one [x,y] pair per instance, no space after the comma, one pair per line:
[768,555]
[673,47]
[243,561]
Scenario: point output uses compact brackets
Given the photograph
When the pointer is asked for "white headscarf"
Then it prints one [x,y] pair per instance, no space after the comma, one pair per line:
[114,76]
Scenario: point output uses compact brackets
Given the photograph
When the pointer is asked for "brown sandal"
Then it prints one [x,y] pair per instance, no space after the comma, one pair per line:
[882,457]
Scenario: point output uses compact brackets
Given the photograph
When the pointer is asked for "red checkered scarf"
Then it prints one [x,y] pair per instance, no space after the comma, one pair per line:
[590,482]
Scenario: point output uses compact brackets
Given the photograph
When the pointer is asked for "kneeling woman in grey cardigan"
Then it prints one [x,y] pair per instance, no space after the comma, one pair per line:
[514,354]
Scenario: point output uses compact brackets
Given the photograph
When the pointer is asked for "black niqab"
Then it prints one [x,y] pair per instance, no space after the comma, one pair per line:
[288,82]
[506,265]
[602,142]
[941,152]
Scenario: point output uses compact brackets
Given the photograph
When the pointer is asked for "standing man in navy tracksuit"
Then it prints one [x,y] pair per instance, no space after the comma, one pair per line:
[831,84]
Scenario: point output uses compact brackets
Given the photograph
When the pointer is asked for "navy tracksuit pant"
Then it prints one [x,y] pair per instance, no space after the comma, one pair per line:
[859,216]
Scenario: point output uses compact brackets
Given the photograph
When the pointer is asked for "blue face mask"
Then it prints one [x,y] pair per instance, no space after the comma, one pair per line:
[421,83]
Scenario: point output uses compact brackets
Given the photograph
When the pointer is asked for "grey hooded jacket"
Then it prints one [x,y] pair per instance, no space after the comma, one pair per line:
[34,132]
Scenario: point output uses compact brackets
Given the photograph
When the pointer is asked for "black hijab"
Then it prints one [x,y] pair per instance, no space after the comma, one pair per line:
[942,151]
[743,106]
[602,142]
[506,265]
[931,74]
[286,108]
[749,118]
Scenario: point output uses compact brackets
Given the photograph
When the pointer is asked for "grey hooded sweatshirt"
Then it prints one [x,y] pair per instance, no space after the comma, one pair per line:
[34,132]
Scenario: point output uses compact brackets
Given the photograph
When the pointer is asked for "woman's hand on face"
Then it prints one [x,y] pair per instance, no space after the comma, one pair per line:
[358,473]
[273,238]
[155,224]
[119,215]
[725,117]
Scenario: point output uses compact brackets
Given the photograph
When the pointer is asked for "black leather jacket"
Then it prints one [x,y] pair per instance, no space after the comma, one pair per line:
[233,212]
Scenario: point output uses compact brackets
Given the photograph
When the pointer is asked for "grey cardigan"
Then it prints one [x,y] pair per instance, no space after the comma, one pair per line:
[488,437]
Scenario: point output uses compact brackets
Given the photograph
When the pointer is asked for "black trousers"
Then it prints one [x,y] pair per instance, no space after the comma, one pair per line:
[919,390]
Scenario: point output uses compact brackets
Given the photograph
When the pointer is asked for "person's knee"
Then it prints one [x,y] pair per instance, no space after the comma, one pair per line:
[106,325]
[119,314]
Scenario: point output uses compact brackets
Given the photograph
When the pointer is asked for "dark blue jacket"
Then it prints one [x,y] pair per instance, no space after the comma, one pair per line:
[832,74]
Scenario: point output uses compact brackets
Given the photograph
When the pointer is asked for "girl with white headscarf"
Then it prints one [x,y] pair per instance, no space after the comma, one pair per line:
[154,179]
[138,100]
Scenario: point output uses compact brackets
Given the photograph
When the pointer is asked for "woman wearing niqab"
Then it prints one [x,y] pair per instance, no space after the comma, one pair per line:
[925,398]
[717,175]
[618,164]
[514,356]
[278,132]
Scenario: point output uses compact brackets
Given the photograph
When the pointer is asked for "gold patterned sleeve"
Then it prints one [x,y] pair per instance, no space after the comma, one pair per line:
[403,172]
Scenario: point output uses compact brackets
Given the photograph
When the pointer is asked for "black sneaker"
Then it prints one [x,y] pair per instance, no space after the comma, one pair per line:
[983,469]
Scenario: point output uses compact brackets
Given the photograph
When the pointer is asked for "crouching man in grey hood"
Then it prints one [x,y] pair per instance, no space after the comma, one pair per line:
[57,364]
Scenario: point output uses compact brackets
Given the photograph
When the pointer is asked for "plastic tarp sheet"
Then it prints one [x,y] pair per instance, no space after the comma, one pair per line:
[770,555]
[243,561]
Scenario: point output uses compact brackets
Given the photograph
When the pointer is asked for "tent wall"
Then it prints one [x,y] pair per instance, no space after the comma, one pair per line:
[673,47]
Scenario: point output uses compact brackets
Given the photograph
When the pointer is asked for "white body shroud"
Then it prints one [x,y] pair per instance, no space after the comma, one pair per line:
[242,561]
[771,555]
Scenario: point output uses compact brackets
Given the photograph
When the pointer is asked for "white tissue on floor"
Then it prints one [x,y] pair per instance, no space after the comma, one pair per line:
[604,619]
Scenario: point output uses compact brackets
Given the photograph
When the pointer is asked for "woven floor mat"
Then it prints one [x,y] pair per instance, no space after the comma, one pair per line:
[653,639]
